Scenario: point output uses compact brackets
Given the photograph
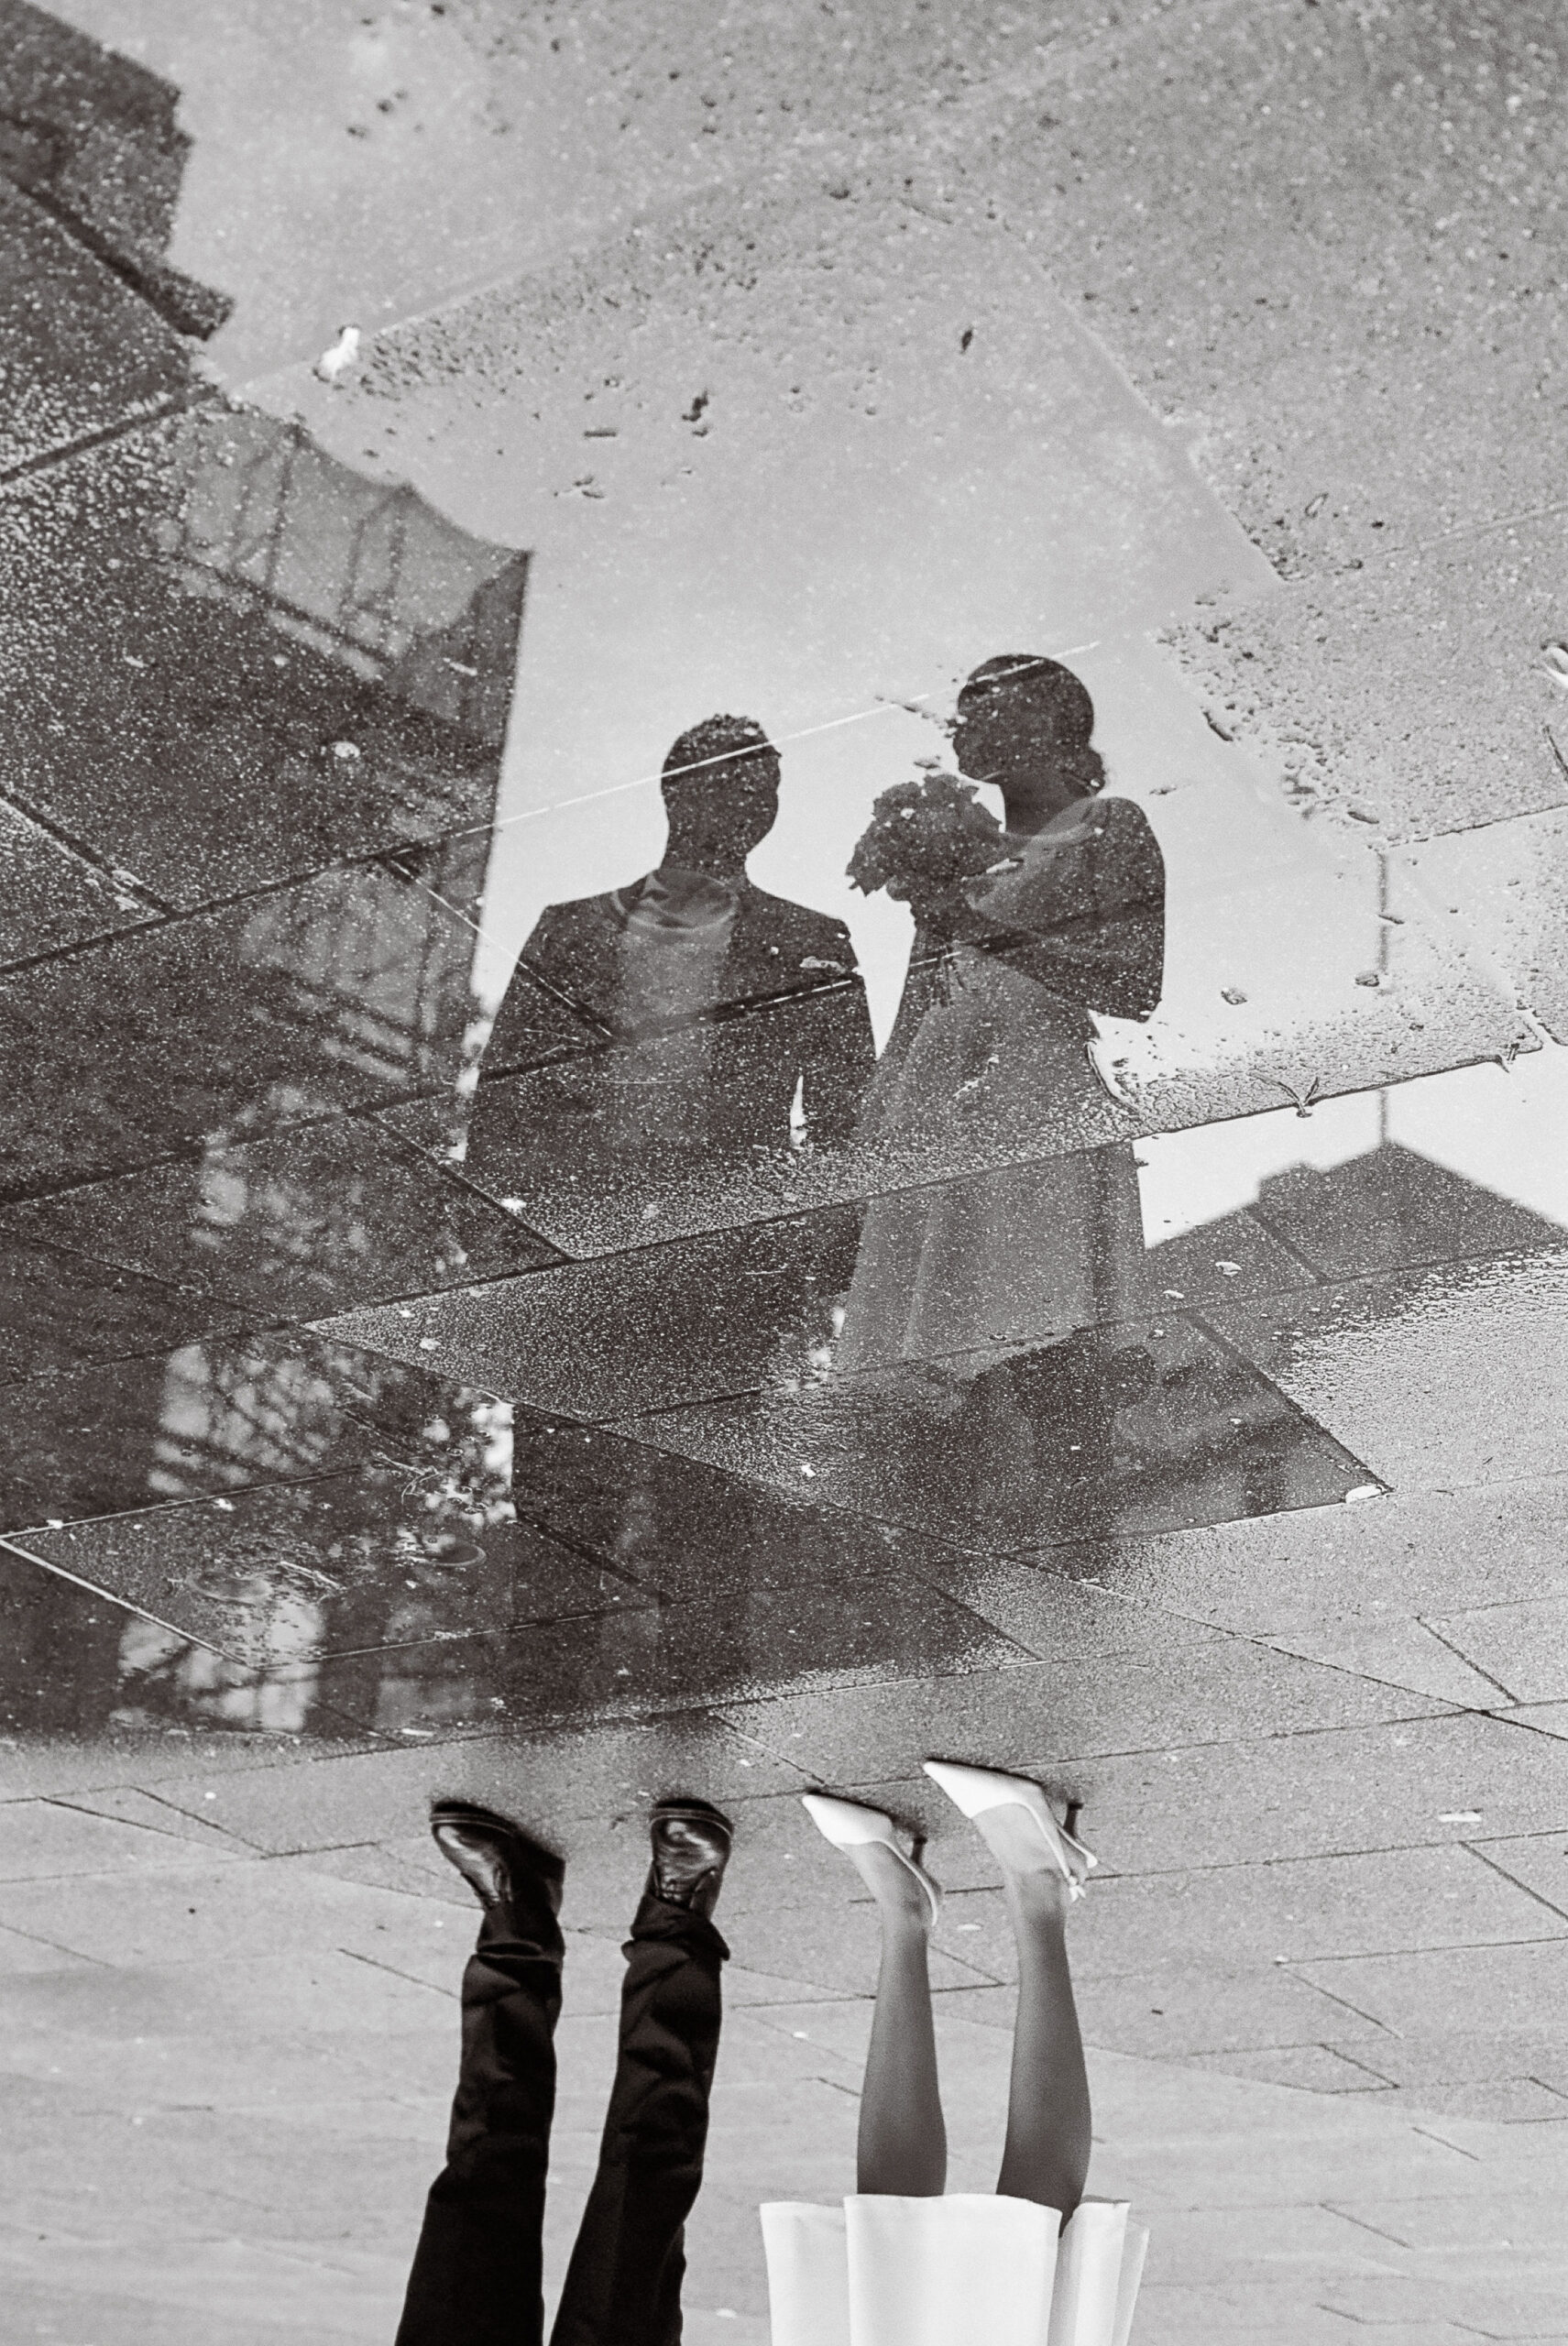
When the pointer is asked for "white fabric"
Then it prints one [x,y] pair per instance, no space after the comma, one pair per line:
[969,2269]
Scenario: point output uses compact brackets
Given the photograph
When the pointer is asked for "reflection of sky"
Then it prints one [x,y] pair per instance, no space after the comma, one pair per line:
[807,559]
[1259,905]
[911,455]
[1506,1130]
[865,510]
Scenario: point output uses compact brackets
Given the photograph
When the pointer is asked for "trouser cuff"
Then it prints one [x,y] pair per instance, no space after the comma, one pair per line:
[660,1919]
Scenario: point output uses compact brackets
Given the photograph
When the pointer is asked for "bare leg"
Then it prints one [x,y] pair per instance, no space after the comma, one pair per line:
[902,2146]
[1047,2155]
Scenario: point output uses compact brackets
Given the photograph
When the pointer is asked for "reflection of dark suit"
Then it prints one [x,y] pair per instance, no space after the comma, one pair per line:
[780,1006]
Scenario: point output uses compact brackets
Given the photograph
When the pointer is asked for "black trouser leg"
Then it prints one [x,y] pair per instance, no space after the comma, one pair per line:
[477,2277]
[623,2286]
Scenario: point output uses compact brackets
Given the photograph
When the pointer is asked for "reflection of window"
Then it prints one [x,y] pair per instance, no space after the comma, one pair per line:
[242,1410]
[374,962]
[164,1675]
[363,570]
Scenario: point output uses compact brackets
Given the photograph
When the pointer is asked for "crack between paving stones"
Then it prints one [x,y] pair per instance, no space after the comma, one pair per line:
[1431,2137]
[93,1588]
[1540,1899]
[1344,2215]
[1380,1953]
[164,1832]
[140,413]
[1290,1971]
[412,1977]
[36,1938]
[1458,1651]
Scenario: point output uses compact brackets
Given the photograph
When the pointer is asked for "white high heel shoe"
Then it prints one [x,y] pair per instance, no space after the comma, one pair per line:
[849,1827]
[976,1790]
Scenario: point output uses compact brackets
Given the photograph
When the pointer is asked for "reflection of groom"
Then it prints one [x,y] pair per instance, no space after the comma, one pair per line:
[741,1017]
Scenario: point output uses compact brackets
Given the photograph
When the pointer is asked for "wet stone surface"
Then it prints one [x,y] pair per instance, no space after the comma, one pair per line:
[156,705]
[213,1416]
[1142,1428]
[288,1226]
[784,998]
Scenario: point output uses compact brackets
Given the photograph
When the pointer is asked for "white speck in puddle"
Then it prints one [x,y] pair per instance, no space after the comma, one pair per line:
[335,361]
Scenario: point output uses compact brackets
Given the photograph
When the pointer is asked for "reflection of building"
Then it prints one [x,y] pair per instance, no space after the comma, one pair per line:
[364,570]
[92,139]
[1242,1451]
[1388,1207]
[401,634]
[227,662]
[263,698]
[255,664]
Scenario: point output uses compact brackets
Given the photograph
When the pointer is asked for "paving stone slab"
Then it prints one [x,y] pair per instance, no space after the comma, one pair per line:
[551,1784]
[1371,1360]
[1469,1996]
[1509,877]
[45,1840]
[95,357]
[288,1227]
[1414,1555]
[51,896]
[62,1309]
[1059,1719]
[1296,246]
[1523,1646]
[1317,2067]
[1403,1783]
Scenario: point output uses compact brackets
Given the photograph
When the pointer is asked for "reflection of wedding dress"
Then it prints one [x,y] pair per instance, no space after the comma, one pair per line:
[994,1038]
[949,2270]
[1014,1257]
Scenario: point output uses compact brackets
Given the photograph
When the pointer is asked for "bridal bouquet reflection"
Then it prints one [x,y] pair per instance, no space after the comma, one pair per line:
[926,840]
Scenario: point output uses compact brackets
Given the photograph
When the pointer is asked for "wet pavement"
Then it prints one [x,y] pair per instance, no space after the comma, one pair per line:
[563,1242]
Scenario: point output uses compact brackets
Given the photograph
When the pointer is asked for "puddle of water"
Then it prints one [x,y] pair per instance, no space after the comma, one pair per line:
[987,1252]
[1499,1128]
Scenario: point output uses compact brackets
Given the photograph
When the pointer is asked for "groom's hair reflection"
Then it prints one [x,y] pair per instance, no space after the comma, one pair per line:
[720,788]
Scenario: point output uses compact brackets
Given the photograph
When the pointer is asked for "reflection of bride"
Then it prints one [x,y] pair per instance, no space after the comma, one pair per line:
[992,1042]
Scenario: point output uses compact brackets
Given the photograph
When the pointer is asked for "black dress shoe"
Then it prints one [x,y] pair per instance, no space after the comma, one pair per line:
[508,1872]
[691,1842]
